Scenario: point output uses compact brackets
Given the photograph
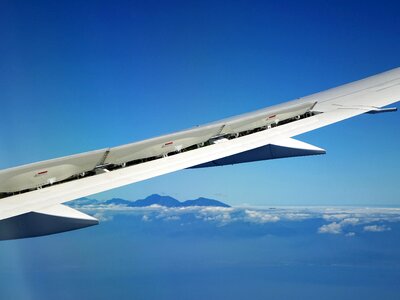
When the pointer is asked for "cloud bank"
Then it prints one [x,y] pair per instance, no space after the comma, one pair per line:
[348,221]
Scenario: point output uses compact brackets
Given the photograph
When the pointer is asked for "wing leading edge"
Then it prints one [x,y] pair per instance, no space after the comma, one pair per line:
[265,134]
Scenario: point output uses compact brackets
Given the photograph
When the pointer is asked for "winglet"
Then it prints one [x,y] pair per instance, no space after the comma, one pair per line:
[287,147]
[53,219]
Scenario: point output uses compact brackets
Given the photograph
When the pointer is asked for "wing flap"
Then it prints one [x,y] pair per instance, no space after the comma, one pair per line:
[48,172]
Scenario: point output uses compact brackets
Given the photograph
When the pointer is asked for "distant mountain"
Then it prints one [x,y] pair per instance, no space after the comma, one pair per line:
[204,202]
[155,199]
[166,201]
[117,201]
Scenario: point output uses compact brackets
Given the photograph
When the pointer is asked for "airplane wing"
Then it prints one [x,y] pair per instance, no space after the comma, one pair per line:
[32,195]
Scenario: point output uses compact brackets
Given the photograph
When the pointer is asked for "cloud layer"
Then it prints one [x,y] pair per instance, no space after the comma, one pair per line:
[336,220]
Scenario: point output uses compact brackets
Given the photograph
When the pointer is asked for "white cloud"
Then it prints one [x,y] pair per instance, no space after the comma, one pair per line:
[259,217]
[146,218]
[103,216]
[337,227]
[221,215]
[214,209]
[334,217]
[295,216]
[376,228]
[341,220]
[332,228]
[350,221]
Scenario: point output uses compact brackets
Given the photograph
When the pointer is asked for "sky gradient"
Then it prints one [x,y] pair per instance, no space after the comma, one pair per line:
[76,77]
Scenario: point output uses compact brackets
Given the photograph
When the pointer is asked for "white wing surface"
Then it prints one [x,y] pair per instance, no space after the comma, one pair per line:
[260,135]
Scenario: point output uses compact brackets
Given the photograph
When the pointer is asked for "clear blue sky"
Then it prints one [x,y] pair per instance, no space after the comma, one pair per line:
[81,75]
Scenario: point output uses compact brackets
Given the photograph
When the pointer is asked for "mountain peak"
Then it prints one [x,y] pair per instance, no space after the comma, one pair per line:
[201,201]
[154,199]
[158,200]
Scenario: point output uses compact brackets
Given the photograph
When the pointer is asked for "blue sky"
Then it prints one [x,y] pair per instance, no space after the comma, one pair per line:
[80,76]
